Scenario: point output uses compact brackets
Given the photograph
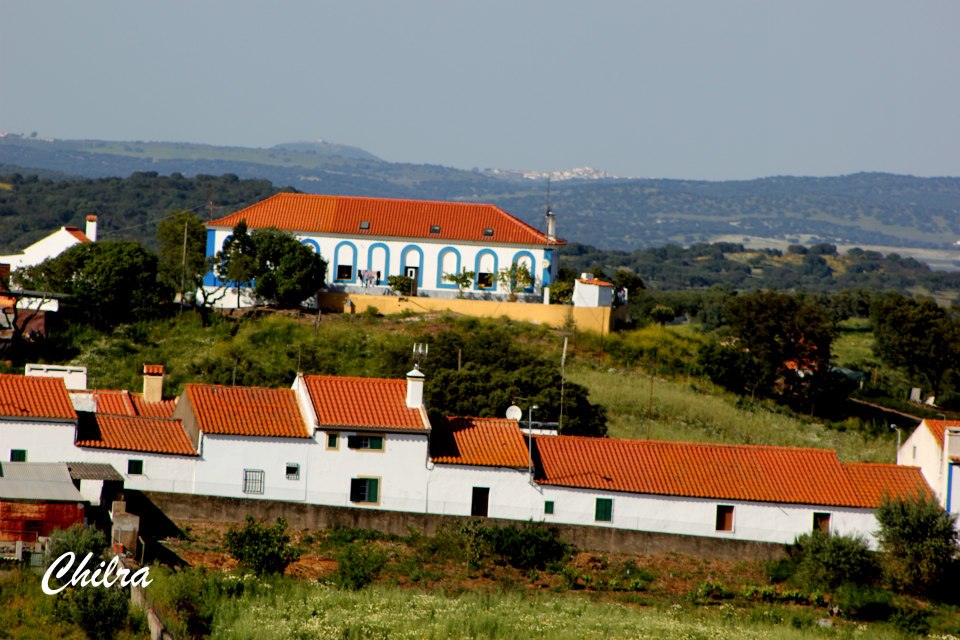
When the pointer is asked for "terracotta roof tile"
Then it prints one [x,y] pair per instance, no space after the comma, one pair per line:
[936,427]
[125,403]
[875,482]
[153,369]
[598,283]
[372,403]
[76,233]
[128,433]
[387,217]
[486,442]
[35,397]
[246,411]
[727,472]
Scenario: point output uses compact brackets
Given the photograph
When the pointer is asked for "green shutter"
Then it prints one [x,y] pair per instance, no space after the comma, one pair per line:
[548,507]
[18,455]
[604,510]
[373,490]
[376,442]
[331,440]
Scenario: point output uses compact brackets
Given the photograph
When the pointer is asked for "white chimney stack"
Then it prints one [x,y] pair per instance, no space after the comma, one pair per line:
[415,388]
[91,231]
[551,225]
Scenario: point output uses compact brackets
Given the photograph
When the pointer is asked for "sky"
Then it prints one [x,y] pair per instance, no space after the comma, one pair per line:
[694,89]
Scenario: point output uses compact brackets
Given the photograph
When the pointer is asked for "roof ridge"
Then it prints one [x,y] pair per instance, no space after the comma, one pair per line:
[719,445]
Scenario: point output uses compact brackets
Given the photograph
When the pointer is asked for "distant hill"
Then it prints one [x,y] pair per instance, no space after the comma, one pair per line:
[626,214]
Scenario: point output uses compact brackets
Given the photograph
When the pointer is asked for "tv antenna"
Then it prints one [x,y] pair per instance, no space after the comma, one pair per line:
[420,350]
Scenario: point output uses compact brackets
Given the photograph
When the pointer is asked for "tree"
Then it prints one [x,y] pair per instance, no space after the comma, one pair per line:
[826,561]
[463,280]
[236,263]
[261,548]
[918,335]
[287,271]
[111,282]
[919,543]
[516,277]
[183,261]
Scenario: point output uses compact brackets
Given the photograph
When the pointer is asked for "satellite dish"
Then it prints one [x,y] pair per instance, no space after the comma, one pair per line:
[514,412]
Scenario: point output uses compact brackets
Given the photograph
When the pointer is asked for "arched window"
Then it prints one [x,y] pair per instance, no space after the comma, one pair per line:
[448,262]
[525,258]
[378,261]
[487,264]
[345,262]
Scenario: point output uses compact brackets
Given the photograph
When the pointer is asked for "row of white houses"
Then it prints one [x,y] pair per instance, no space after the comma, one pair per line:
[368,443]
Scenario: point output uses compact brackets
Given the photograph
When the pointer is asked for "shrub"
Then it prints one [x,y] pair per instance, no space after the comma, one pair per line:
[527,546]
[100,612]
[826,561]
[358,565]
[919,544]
[868,604]
[261,548]
[79,539]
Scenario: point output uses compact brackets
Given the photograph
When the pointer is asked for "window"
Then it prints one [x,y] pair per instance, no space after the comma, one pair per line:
[18,455]
[333,441]
[370,443]
[253,481]
[344,272]
[604,511]
[488,232]
[364,225]
[366,490]
[293,471]
[724,517]
[821,522]
[548,507]
[134,467]
[434,228]
[484,281]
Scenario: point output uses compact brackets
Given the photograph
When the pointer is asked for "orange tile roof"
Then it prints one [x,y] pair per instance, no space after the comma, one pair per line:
[76,233]
[726,472]
[153,369]
[485,442]
[875,482]
[387,217]
[35,397]
[122,402]
[598,283]
[936,427]
[246,411]
[128,433]
[370,403]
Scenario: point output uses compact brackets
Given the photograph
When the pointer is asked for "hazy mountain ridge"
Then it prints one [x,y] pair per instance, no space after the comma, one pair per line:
[859,209]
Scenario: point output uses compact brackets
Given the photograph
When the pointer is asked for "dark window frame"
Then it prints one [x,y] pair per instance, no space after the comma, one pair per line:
[725,517]
[254,481]
[603,511]
[18,455]
[548,507]
[134,467]
[293,471]
[366,442]
[365,490]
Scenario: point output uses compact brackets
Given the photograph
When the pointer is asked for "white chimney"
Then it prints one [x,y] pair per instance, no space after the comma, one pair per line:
[551,225]
[415,388]
[91,231]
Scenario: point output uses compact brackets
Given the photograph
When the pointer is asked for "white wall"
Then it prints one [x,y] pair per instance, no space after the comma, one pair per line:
[921,450]
[778,523]
[224,458]
[390,256]
[48,247]
[43,441]
[512,496]
[161,472]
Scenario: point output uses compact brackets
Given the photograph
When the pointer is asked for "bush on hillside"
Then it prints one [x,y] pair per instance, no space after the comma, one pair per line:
[262,549]
[825,561]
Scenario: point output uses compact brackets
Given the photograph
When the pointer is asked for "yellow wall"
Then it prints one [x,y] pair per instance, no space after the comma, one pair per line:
[595,319]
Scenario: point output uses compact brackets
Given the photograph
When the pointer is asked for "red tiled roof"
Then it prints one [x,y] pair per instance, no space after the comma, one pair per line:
[598,283]
[372,403]
[246,411]
[727,472]
[121,402]
[387,217]
[486,442]
[76,233]
[875,482]
[128,433]
[35,397]
[153,369]
[936,427]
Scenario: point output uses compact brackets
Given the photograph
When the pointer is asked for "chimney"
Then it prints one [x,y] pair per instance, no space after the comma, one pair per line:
[152,382]
[91,231]
[551,225]
[415,388]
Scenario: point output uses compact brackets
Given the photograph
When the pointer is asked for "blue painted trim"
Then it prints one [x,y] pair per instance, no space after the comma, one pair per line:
[547,277]
[313,244]
[950,467]
[386,261]
[210,279]
[440,283]
[533,267]
[337,263]
[476,270]
[403,262]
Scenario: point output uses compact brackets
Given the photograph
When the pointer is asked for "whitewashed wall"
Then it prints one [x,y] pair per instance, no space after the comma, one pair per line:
[921,450]
[391,256]
[49,247]
[224,458]
[763,522]
[43,441]
[512,496]
[401,469]
[161,472]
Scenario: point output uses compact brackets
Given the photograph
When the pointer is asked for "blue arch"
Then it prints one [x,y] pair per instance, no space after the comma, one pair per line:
[443,252]
[533,266]
[337,263]
[548,258]
[476,270]
[313,244]
[386,261]
[211,279]
[403,262]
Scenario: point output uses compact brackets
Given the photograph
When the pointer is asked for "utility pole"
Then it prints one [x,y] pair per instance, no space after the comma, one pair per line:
[183,269]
